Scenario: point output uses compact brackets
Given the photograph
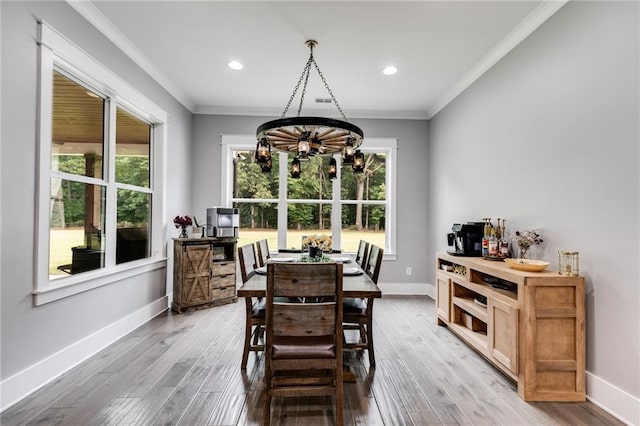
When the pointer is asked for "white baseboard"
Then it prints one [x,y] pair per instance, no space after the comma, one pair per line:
[423,289]
[32,378]
[613,400]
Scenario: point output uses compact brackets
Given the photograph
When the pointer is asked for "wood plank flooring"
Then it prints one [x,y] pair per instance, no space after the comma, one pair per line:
[185,370]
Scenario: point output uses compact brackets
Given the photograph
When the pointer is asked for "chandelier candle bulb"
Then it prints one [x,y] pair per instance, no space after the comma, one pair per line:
[568,263]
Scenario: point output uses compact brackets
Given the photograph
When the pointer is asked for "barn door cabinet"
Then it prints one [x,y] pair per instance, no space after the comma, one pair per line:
[204,273]
[529,325]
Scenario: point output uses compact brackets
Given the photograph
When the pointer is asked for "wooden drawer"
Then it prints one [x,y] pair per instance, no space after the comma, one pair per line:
[224,281]
[223,268]
[223,292]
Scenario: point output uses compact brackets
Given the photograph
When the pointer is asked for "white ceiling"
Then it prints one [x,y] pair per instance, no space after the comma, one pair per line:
[439,48]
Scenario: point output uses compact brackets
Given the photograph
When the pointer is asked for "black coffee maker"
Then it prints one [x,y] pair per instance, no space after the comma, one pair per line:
[466,239]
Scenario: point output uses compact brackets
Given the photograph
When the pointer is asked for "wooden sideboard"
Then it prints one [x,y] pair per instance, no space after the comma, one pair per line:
[204,272]
[533,330]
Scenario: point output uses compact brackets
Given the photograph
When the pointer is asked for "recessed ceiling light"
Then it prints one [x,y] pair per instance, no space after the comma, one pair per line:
[390,70]
[235,65]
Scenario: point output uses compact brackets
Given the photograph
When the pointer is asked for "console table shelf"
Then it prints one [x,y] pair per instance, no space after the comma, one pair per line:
[532,328]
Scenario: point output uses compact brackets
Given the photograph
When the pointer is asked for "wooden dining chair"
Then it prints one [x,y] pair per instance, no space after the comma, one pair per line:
[362,254]
[358,313]
[262,249]
[303,352]
[255,308]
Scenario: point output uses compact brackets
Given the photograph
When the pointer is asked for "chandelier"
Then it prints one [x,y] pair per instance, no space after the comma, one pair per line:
[306,136]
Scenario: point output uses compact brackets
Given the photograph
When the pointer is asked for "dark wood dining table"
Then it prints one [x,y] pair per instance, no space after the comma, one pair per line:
[355,286]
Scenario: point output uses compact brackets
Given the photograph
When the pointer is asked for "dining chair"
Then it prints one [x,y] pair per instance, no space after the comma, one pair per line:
[262,249]
[361,254]
[303,351]
[358,313]
[255,308]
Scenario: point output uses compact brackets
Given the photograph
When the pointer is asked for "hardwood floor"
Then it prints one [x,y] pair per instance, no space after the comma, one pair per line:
[185,369]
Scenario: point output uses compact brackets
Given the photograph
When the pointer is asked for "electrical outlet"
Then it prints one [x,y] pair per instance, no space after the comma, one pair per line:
[409,270]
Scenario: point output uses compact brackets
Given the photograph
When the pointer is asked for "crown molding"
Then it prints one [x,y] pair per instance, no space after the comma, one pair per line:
[96,18]
[275,112]
[528,25]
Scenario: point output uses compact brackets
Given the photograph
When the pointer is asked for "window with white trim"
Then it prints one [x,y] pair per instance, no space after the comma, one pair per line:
[100,189]
[283,210]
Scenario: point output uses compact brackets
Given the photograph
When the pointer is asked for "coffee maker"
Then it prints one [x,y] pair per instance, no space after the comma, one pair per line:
[466,239]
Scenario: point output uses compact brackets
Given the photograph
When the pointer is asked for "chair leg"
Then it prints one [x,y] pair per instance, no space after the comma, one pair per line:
[363,336]
[256,334]
[247,334]
[340,396]
[266,409]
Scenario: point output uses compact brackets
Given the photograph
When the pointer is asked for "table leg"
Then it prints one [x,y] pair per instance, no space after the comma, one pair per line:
[372,358]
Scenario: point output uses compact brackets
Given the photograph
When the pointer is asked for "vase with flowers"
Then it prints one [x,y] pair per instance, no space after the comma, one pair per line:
[182,222]
[316,245]
[525,239]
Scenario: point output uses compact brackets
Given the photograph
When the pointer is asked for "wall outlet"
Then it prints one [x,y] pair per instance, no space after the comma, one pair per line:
[409,270]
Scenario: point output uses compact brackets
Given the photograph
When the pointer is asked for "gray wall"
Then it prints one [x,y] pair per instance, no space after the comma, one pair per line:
[412,197]
[548,138]
[30,334]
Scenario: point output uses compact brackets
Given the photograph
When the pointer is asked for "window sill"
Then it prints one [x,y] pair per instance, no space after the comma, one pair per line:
[65,287]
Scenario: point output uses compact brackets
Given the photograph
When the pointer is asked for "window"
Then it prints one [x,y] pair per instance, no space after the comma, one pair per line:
[100,188]
[284,210]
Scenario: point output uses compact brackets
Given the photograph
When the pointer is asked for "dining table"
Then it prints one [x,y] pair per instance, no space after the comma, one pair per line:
[355,284]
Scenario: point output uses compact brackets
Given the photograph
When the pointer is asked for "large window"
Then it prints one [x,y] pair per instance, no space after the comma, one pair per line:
[100,188]
[284,210]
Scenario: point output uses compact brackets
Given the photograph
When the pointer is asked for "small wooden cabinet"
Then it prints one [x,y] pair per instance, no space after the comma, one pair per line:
[530,325]
[204,272]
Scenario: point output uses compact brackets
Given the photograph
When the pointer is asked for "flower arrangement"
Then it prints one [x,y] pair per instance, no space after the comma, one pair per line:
[182,222]
[525,239]
[323,242]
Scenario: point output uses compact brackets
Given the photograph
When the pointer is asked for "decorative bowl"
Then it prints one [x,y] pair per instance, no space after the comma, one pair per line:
[527,265]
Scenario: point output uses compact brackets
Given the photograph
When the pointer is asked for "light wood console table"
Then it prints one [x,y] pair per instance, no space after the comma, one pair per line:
[533,331]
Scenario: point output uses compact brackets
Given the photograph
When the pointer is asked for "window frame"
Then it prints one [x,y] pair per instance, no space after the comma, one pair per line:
[58,53]
[389,146]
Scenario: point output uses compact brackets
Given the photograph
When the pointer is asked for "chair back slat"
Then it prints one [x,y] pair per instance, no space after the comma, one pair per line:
[248,265]
[362,254]
[297,319]
[374,263]
[302,279]
[262,250]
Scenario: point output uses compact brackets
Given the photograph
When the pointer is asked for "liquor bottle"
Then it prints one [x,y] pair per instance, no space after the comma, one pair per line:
[493,244]
[485,237]
[504,246]
[499,235]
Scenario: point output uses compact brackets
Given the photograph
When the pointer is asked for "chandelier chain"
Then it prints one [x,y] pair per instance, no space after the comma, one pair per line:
[305,76]
[305,71]
[329,90]
[304,87]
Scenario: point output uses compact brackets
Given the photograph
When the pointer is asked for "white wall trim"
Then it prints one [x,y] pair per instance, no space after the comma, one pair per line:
[613,400]
[405,289]
[32,378]
[529,24]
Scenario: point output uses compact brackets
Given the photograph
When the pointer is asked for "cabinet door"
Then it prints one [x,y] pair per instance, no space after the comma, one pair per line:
[443,296]
[196,274]
[503,334]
